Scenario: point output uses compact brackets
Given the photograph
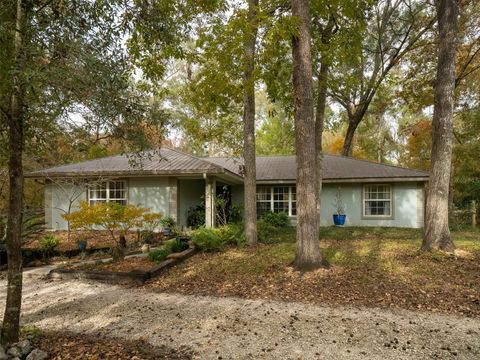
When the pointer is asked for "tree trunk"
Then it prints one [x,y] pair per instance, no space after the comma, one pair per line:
[451,205]
[319,125]
[11,319]
[437,233]
[307,255]
[320,111]
[353,122]
[250,181]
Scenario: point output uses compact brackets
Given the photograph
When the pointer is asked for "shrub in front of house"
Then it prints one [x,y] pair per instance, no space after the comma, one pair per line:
[232,234]
[267,233]
[175,246]
[196,216]
[207,239]
[158,255]
[278,220]
[48,244]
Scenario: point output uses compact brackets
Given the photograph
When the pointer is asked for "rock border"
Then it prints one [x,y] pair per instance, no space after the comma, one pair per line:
[135,276]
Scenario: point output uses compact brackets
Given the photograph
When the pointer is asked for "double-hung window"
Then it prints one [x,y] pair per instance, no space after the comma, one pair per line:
[377,200]
[264,200]
[107,191]
[276,199]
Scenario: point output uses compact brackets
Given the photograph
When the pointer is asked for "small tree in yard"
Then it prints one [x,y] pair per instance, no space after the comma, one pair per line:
[115,218]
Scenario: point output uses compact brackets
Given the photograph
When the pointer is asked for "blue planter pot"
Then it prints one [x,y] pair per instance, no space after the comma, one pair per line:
[82,245]
[339,220]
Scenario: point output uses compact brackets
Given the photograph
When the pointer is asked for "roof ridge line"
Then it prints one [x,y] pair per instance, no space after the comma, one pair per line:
[375,163]
[196,158]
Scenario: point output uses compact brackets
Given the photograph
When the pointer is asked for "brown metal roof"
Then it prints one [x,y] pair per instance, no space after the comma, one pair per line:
[269,168]
[283,168]
[164,161]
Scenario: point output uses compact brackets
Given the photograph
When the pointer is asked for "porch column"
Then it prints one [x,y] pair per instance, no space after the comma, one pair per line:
[210,185]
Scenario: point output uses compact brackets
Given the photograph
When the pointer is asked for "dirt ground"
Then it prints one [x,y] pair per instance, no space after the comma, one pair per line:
[67,346]
[233,328]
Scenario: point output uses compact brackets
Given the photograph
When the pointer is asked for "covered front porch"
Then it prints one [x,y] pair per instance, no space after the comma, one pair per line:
[195,192]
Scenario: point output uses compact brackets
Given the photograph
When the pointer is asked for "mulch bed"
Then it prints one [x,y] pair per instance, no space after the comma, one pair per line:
[405,280]
[127,265]
[97,239]
[62,345]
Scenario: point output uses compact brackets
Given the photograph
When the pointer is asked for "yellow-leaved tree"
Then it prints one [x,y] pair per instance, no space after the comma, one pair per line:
[115,218]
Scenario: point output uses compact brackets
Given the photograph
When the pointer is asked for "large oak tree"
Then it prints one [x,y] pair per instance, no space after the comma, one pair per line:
[437,232]
[250,178]
[307,256]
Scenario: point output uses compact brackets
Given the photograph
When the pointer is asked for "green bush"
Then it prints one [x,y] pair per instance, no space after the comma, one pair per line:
[167,222]
[267,233]
[196,216]
[279,220]
[232,234]
[49,243]
[175,246]
[208,239]
[158,255]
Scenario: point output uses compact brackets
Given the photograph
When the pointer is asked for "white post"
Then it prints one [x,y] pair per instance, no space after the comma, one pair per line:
[210,185]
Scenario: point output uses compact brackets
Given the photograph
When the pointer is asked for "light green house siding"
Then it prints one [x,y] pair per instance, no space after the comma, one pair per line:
[190,193]
[407,205]
[57,200]
[156,193]
[408,202]
[173,197]
[151,192]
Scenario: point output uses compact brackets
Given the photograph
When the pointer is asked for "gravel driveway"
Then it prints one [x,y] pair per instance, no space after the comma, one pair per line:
[231,328]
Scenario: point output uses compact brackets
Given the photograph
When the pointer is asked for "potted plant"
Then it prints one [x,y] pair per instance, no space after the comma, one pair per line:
[82,243]
[340,216]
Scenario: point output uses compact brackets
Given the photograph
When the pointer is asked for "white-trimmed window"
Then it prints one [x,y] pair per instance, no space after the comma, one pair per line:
[114,191]
[276,199]
[264,200]
[377,200]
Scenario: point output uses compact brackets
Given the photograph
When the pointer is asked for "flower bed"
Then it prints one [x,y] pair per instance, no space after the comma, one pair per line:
[130,270]
[96,239]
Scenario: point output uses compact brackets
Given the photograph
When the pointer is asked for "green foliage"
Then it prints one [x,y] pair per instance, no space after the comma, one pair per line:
[158,255]
[207,239]
[31,331]
[167,222]
[278,220]
[175,246]
[276,135]
[236,214]
[32,223]
[48,244]
[267,233]
[196,216]
[172,246]
[232,234]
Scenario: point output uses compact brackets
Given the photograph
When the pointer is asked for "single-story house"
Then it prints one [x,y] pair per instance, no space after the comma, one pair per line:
[170,182]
